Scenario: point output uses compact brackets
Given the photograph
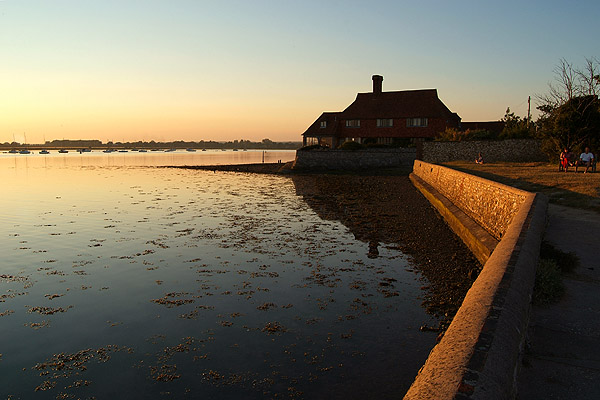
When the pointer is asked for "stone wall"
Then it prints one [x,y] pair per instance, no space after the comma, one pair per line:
[357,159]
[479,355]
[516,150]
[491,204]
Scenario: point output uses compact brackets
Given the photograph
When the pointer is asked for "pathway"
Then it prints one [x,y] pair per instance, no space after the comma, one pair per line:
[563,361]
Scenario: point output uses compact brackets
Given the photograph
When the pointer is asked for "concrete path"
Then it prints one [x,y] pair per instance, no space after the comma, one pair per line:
[563,361]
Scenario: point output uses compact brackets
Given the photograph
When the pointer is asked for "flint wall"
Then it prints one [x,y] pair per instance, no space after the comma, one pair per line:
[479,355]
[513,150]
[333,159]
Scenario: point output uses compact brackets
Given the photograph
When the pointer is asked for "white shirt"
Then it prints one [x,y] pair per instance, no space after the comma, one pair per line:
[586,157]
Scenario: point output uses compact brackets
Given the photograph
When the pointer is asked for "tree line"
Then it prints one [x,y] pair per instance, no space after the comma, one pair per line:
[570,113]
[179,144]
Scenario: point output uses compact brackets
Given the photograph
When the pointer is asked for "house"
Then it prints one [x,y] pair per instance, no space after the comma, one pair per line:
[384,118]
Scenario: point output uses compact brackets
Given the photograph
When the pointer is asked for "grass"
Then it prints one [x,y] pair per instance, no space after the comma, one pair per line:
[565,188]
[549,287]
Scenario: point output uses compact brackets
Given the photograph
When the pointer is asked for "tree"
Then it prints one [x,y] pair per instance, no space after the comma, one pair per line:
[516,127]
[571,109]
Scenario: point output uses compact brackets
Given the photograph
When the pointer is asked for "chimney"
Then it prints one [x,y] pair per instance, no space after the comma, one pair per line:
[377,84]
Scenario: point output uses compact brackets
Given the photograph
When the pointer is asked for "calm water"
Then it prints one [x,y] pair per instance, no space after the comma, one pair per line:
[120,280]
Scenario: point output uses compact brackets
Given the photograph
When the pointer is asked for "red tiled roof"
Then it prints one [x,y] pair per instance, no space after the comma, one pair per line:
[332,119]
[402,104]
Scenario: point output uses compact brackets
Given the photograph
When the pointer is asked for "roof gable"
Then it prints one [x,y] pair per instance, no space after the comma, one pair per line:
[401,104]
[331,119]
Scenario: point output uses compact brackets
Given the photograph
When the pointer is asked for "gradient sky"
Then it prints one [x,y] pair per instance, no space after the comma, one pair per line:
[223,70]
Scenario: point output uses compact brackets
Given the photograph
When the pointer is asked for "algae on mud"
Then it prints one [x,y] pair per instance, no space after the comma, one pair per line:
[219,284]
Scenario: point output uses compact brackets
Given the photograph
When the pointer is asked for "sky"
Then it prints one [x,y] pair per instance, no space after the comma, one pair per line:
[128,70]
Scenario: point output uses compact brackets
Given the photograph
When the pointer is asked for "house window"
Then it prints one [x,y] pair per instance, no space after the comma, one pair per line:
[385,123]
[353,123]
[418,122]
[323,124]
[384,140]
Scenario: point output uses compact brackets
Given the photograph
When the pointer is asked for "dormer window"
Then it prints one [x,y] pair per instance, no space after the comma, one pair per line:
[353,123]
[323,124]
[385,122]
[416,122]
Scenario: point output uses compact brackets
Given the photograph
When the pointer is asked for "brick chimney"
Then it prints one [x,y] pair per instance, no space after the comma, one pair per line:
[377,84]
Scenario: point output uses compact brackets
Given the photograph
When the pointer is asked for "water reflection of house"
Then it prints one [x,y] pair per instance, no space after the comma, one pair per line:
[384,118]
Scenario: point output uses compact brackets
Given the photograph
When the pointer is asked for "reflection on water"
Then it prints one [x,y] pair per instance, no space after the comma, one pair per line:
[136,282]
[388,210]
[148,159]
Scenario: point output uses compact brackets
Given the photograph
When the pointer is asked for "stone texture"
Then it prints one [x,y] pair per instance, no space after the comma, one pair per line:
[516,150]
[490,204]
[358,159]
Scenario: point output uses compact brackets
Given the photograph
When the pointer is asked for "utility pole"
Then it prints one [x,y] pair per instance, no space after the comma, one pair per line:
[528,110]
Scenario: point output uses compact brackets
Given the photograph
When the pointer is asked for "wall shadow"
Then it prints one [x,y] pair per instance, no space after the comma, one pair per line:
[389,210]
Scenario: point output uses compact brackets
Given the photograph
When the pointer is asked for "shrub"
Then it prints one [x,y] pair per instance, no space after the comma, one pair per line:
[402,142]
[351,145]
[452,135]
[482,134]
[311,147]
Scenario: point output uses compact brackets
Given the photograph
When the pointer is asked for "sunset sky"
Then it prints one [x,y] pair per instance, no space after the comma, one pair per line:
[222,70]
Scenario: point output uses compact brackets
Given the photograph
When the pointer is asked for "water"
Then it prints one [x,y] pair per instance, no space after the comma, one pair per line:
[123,280]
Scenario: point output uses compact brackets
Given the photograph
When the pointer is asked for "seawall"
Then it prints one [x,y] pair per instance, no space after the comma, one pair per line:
[479,355]
[335,159]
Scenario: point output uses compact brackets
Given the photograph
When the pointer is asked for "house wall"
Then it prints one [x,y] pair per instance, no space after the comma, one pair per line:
[360,159]
[368,129]
[516,150]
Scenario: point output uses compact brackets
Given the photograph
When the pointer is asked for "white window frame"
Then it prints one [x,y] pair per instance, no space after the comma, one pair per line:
[417,122]
[323,124]
[385,122]
[353,123]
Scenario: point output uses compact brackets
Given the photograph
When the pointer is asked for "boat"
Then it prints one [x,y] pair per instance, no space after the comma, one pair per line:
[169,150]
[63,151]
[13,151]
[86,150]
[192,150]
[108,151]
[203,149]
[235,149]
[143,150]
[123,151]
[24,151]
[44,151]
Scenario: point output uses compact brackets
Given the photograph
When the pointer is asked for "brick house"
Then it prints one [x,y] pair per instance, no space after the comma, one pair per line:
[384,118]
